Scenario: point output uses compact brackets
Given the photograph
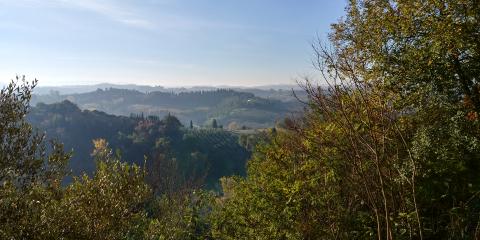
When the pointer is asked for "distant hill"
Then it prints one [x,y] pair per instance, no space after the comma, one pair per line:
[281,92]
[73,89]
[257,109]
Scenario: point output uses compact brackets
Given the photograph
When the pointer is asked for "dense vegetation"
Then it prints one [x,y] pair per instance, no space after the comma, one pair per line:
[227,106]
[114,203]
[390,149]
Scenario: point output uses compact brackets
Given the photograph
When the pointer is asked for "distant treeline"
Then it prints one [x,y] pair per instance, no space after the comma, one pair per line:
[225,105]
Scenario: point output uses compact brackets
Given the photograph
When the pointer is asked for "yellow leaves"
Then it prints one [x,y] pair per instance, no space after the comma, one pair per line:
[102,153]
[307,143]
[100,148]
[100,143]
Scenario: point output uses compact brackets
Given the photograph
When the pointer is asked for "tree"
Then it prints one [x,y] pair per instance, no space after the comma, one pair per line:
[30,177]
[425,55]
[109,205]
[23,160]
[342,171]
[389,148]
[423,50]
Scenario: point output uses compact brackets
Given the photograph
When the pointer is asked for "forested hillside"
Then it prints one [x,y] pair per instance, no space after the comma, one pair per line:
[204,153]
[228,107]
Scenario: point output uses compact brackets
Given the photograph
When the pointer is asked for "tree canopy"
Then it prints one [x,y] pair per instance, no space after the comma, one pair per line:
[389,148]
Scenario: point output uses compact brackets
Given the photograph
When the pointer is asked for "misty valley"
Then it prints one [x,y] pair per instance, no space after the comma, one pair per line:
[209,134]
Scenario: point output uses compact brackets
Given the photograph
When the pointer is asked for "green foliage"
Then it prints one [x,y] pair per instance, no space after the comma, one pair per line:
[30,178]
[420,49]
[447,149]
[316,182]
[181,216]
[285,196]
[389,150]
[23,158]
[424,56]
[114,203]
[222,151]
[109,205]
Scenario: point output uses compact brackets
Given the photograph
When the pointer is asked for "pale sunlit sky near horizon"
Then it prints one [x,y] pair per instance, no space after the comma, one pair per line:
[162,42]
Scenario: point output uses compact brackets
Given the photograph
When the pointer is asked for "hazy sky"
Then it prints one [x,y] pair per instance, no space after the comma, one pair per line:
[162,42]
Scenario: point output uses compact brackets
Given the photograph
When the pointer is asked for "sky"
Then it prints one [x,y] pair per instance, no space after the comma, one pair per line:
[162,42]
